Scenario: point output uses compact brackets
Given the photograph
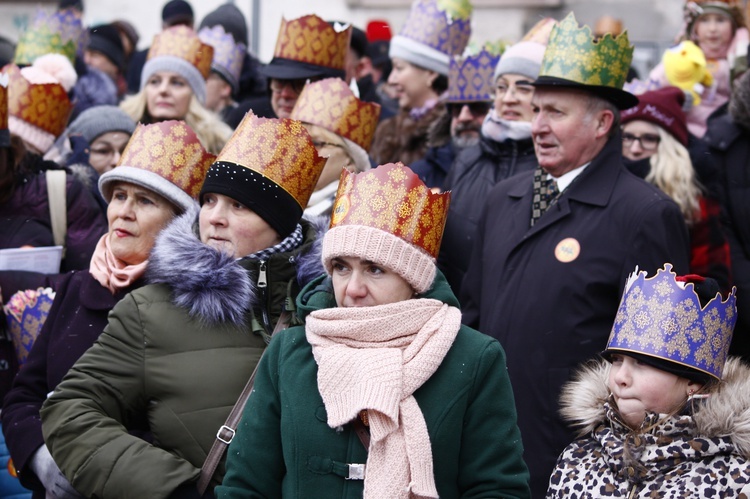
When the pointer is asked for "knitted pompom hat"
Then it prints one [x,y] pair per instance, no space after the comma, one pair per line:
[390,217]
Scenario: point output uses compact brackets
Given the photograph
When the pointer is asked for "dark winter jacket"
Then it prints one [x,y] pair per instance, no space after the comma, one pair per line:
[86,222]
[434,167]
[76,319]
[549,293]
[403,139]
[700,452]
[467,406]
[730,145]
[475,172]
[178,353]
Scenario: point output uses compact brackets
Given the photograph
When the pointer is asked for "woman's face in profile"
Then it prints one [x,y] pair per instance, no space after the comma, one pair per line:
[362,283]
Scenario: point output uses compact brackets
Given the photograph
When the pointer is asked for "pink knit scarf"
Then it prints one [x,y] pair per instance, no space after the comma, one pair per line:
[375,358]
[111,272]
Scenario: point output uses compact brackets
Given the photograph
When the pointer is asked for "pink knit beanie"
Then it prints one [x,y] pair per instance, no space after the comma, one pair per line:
[390,217]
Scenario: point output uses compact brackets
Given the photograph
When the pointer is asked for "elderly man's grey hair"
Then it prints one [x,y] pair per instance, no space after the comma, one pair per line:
[596,104]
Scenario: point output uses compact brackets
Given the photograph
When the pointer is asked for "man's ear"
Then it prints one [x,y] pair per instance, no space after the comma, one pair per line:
[604,121]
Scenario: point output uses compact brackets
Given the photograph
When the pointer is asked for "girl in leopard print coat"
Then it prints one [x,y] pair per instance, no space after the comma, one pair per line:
[650,427]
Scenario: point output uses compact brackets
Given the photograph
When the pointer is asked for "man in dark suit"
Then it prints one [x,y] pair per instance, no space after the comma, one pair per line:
[555,246]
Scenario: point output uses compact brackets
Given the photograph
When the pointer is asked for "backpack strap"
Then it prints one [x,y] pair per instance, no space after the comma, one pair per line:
[58,212]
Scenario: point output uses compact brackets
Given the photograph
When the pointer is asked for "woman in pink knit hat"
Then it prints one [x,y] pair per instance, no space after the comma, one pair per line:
[383,393]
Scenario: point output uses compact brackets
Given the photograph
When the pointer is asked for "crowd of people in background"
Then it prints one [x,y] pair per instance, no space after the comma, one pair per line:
[378,265]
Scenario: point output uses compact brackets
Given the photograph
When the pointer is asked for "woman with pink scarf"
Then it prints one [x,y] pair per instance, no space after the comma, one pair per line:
[158,178]
[383,393]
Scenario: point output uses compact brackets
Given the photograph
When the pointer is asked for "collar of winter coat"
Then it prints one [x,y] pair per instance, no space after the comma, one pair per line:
[507,147]
[318,294]
[212,285]
[598,180]
[720,423]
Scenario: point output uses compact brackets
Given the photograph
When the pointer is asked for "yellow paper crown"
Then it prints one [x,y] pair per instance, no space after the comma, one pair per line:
[393,199]
[182,42]
[280,150]
[572,54]
[45,106]
[58,33]
[331,104]
[312,40]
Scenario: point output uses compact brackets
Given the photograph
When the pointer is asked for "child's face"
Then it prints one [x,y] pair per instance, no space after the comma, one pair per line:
[714,34]
[638,387]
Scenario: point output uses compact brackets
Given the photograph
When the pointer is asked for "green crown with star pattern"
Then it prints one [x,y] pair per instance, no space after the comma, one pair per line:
[573,54]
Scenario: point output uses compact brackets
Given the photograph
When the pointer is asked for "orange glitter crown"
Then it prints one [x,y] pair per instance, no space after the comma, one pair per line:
[171,150]
[393,199]
[331,104]
[280,150]
[312,40]
[184,43]
[45,106]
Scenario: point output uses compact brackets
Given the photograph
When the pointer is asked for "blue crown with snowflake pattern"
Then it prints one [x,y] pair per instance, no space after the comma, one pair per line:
[470,78]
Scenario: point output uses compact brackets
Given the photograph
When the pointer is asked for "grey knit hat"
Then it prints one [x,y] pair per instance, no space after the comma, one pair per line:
[523,58]
[179,66]
[99,120]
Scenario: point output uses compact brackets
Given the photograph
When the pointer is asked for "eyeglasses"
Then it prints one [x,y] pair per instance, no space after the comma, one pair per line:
[296,85]
[475,108]
[519,89]
[647,141]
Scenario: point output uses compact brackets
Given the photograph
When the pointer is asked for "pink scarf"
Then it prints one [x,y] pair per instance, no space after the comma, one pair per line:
[112,273]
[375,358]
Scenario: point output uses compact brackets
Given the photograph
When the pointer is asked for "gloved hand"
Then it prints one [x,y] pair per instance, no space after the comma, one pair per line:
[57,486]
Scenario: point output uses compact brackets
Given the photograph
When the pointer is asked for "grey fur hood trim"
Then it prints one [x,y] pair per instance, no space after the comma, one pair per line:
[725,412]
[210,284]
[310,264]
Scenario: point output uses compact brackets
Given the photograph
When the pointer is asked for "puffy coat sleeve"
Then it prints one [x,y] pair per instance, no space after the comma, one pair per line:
[252,474]
[85,421]
[491,458]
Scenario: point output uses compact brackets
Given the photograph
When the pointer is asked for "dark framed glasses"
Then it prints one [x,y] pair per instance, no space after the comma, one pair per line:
[647,141]
[476,109]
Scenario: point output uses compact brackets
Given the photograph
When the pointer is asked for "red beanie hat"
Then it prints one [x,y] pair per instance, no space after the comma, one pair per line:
[662,107]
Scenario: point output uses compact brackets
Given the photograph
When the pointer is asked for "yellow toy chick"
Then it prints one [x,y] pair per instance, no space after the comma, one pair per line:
[685,68]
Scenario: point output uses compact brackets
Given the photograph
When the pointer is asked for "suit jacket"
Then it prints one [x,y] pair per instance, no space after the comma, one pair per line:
[550,292]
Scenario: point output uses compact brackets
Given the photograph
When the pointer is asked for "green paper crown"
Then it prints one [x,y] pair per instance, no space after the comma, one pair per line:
[572,54]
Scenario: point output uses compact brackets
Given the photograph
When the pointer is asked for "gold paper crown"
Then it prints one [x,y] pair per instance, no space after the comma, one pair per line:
[171,150]
[182,42]
[280,150]
[540,31]
[45,106]
[393,199]
[331,104]
[312,40]
[58,33]
[572,54]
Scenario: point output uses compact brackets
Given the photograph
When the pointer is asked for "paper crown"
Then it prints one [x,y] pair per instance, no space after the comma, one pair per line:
[660,318]
[471,78]
[393,199]
[574,59]
[166,157]
[311,40]
[4,133]
[228,55]
[443,25]
[280,150]
[540,32]
[45,106]
[58,33]
[331,104]
[183,43]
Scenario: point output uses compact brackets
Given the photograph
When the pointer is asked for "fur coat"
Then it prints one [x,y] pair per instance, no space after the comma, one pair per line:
[401,138]
[701,452]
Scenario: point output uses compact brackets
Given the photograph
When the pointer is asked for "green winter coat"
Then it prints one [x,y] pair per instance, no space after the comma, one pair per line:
[284,447]
[175,355]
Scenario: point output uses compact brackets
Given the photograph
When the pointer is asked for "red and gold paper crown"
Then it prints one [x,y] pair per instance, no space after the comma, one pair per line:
[58,33]
[4,81]
[331,104]
[280,150]
[182,42]
[171,150]
[312,40]
[393,199]
[45,106]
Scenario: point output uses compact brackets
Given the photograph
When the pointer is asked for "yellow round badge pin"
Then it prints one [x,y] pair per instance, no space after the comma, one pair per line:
[567,250]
